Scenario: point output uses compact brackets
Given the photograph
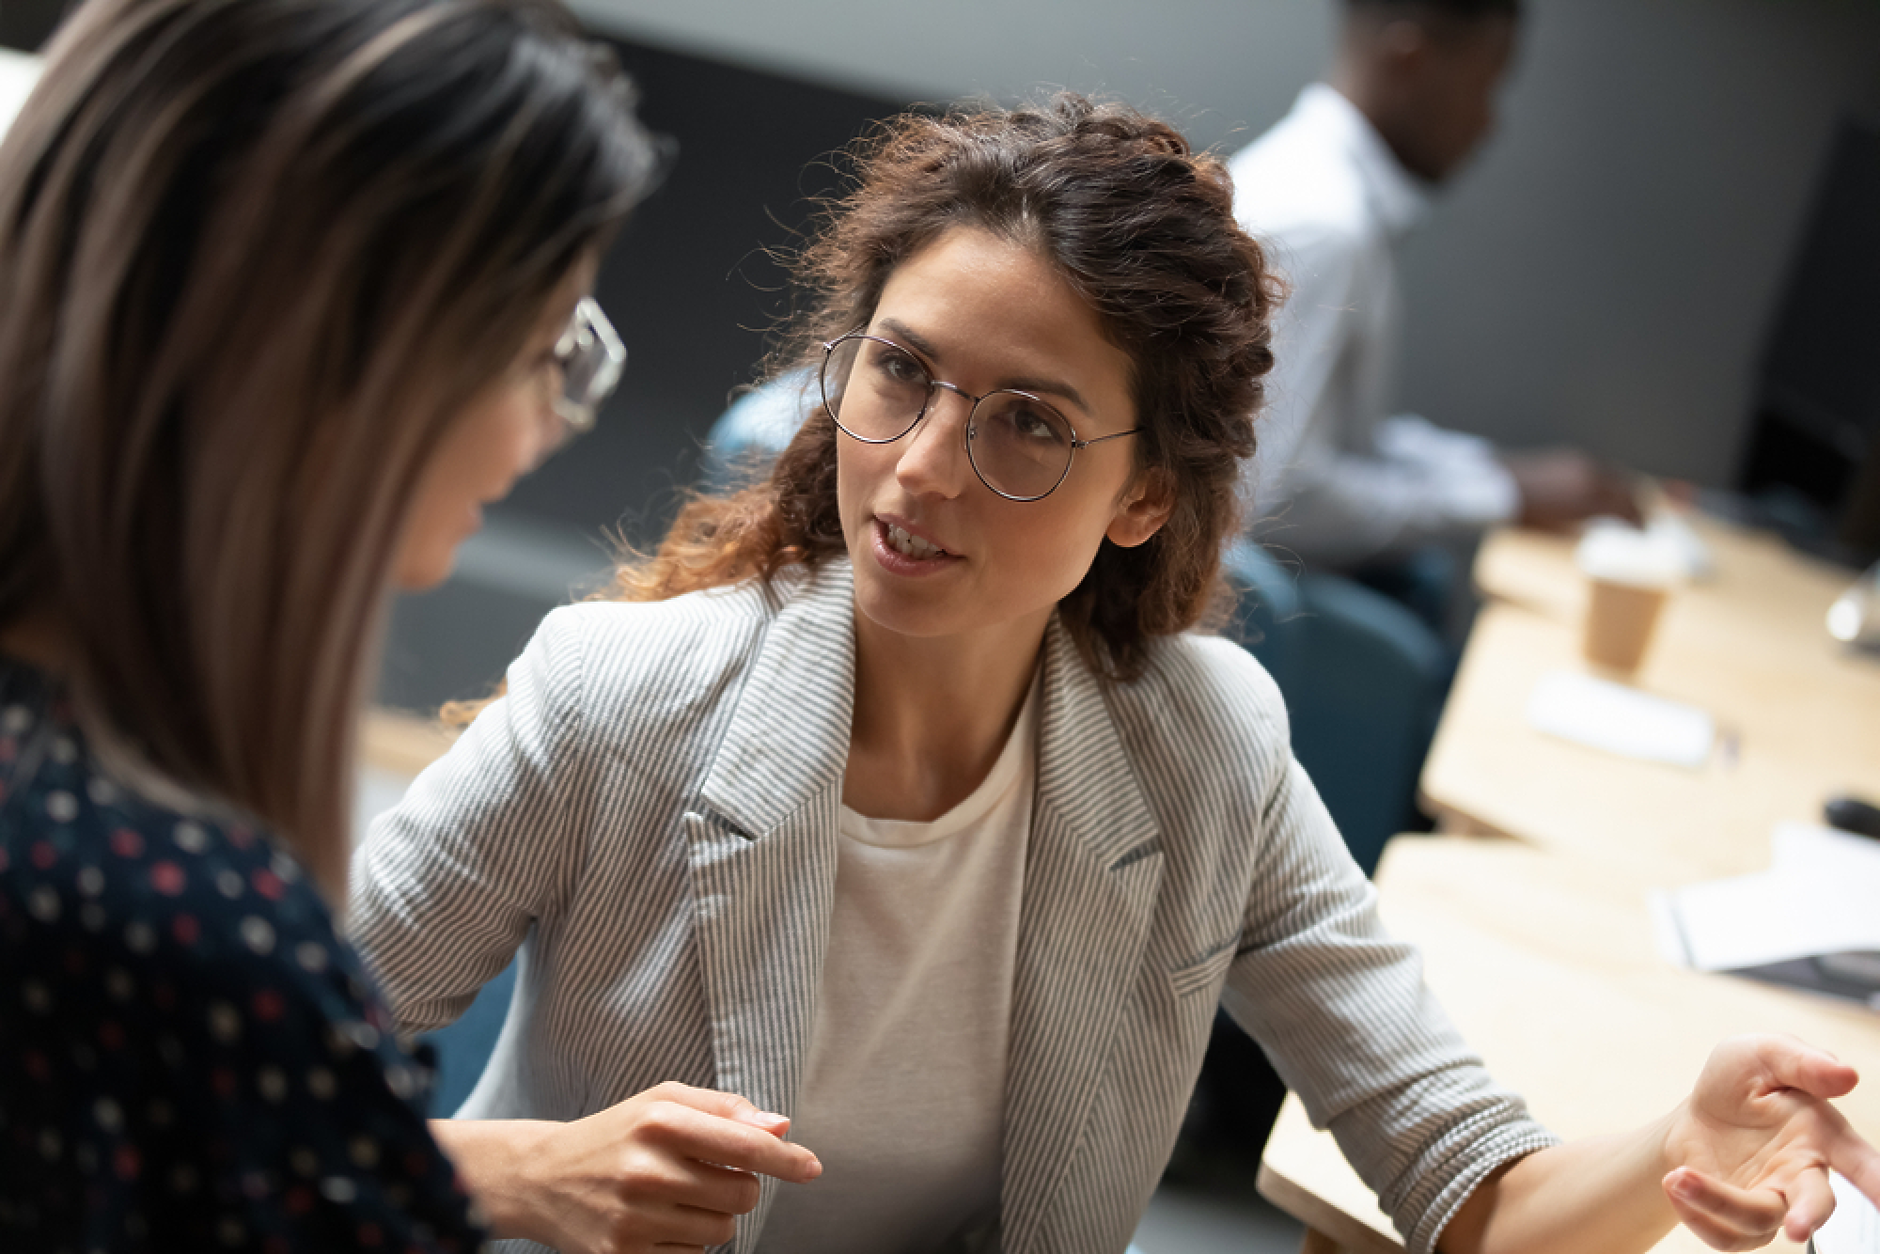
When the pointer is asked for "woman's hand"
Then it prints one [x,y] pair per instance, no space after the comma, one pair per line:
[670,1169]
[1754,1142]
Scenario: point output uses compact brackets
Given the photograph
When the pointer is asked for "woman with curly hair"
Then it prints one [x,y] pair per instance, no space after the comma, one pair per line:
[894,804]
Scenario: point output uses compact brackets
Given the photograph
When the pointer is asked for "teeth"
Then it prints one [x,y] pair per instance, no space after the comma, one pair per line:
[909,545]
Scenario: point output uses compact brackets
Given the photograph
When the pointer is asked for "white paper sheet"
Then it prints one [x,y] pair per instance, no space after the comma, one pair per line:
[1619,719]
[1854,1228]
[1816,901]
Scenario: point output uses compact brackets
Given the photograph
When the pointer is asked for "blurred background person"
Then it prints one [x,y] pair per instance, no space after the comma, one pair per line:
[289,289]
[1334,188]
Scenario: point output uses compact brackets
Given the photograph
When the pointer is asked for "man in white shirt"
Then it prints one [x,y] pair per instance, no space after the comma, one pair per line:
[1332,189]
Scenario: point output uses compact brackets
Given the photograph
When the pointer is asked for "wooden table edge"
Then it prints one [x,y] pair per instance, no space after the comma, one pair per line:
[1322,1217]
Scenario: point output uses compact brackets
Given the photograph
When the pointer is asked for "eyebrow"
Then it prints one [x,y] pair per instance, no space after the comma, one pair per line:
[924,346]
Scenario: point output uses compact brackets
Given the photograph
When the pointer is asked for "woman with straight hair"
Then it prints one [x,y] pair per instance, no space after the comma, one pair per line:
[288,290]
[895,796]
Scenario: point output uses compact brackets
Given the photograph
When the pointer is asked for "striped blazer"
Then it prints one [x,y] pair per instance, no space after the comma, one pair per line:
[648,821]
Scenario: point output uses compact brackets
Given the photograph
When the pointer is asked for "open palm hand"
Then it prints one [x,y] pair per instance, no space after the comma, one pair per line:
[1755,1140]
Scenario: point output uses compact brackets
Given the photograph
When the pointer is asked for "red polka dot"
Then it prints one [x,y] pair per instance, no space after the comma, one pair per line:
[74,963]
[299,1200]
[126,1163]
[168,879]
[277,1245]
[163,996]
[37,1067]
[110,1035]
[223,1081]
[269,885]
[44,855]
[269,1006]
[127,844]
[240,837]
[185,929]
[370,1237]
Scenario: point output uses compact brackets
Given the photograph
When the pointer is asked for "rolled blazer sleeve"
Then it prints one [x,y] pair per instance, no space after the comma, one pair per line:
[446,885]
[1341,1008]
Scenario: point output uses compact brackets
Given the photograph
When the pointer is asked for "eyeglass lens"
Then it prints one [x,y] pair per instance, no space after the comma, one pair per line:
[876,391]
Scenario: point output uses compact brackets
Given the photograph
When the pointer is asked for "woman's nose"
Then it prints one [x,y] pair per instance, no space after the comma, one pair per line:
[933,455]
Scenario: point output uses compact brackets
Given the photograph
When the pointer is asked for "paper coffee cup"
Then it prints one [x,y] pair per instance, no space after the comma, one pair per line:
[1628,578]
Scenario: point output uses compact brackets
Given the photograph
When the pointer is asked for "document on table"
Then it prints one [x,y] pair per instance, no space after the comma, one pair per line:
[1619,719]
[1854,1228]
[1812,920]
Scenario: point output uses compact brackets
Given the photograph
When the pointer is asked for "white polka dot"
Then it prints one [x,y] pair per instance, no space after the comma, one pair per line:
[43,904]
[225,1022]
[62,806]
[93,916]
[160,1113]
[363,1034]
[284,867]
[230,884]
[50,1146]
[84,1057]
[118,983]
[85,1154]
[231,1232]
[170,1050]
[304,1161]
[109,1116]
[16,719]
[102,791]
[258,934]
[64,751]
[400,1081]
[364,1152]
[90,881]
[190,837]
[272,1084]
[135,1227]
[183,1179]
[140,937]
[312,957]
[37,996]
[321,1084]
[338,1190]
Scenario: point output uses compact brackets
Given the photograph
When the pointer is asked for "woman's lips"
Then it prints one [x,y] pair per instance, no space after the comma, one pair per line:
[902,552]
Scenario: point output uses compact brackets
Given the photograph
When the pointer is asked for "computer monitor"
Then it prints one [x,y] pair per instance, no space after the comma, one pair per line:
[1816,427]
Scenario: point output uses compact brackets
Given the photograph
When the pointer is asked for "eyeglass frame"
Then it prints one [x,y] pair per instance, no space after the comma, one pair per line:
[588,331]
[933,385]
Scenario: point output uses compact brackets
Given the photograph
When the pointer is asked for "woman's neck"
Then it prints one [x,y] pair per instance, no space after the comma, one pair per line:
[932,715]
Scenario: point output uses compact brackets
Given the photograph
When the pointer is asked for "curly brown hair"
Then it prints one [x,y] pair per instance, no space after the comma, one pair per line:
[1139,225]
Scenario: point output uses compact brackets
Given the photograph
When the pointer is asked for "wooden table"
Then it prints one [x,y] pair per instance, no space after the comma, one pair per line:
[1548,967]
[1798,713]
[1541,946]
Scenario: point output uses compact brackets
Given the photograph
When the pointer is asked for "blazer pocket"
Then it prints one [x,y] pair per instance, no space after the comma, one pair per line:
[1204,971]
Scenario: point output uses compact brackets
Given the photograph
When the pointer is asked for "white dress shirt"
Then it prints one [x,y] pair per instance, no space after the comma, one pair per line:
[1336,480]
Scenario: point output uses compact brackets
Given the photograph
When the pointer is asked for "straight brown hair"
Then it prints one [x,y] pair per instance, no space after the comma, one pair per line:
[256,257]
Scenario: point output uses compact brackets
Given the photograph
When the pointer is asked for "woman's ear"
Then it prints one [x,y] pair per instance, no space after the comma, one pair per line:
[1144,507]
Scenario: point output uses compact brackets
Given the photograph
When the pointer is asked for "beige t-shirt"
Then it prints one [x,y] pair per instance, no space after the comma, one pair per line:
[903,1092]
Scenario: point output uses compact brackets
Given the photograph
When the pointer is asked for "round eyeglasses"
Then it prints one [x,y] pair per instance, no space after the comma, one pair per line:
[1019,446]
[591,358]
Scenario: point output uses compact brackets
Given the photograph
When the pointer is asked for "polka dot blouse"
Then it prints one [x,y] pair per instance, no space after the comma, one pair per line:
[190,1058]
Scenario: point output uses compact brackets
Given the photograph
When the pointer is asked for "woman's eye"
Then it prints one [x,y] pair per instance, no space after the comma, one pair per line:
[900,367]
[1033,424]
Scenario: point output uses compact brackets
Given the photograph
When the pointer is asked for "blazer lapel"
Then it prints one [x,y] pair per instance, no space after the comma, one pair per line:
[1093,869]
[763,850]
